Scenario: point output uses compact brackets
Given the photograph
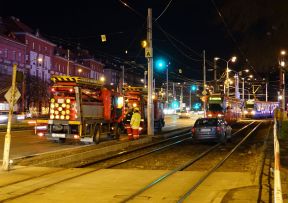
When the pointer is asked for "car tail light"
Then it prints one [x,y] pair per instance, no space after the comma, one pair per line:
[193,130]
[218,129]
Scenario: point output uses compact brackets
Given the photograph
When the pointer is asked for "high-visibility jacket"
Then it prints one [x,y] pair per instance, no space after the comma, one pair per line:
[135,120]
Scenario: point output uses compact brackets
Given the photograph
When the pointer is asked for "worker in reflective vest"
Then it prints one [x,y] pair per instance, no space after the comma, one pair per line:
[135,123]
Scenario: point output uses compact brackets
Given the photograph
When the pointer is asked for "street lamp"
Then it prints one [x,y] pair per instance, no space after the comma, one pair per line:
[282,64]
[102,78]
[232,59]
[79,70]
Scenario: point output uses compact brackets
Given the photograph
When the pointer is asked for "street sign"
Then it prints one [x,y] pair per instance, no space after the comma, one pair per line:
[204,92]
[148,52]
[103,38]
[16,95]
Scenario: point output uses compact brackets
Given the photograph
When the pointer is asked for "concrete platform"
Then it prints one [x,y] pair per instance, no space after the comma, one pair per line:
[114,185]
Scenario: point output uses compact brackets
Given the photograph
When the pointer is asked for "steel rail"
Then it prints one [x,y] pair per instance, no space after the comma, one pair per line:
[66,179]
[133,150]
[180,168]
[87,172]
[104,159]
[212,170]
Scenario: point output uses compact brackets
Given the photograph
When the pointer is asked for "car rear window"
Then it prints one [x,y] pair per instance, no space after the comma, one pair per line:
[206,122]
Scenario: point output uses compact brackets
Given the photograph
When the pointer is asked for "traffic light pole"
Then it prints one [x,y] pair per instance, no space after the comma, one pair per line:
[204,82]
[6,153]
[167,88]
[150,109]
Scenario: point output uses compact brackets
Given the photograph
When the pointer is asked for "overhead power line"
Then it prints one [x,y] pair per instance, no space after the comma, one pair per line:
[164,10]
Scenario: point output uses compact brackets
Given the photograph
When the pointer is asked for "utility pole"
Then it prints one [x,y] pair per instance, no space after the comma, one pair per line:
[243,98]
[283,90]
[215,76]
[204,82]
[181,97]
[227,78]
[173,87]
[190,102]
[167,88]
[150,108]
[23,92]
[266,92]
[123,75]
[237,95]
[6,154]
[68,62]
[243,90]
[145,81]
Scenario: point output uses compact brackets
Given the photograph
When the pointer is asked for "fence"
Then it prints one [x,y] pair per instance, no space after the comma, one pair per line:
[277,179]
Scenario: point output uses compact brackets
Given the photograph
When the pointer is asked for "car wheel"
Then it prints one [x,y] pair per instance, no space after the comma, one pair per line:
[223,139]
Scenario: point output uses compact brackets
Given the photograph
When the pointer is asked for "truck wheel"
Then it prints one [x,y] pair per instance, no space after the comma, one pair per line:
[117,131]
[96,137]
[62,140]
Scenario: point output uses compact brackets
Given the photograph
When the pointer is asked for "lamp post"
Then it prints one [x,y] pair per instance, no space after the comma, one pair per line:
[282,64]
[215,74]
[226,83]
[233,59]
[243,85]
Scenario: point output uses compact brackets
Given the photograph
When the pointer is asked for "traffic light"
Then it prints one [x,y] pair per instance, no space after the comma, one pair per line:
[160,64]
[196,106]
[194,88]
[175,104]
[144,43]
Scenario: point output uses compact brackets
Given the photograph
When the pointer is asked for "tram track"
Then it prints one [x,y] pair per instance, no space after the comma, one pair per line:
[190,163]
[70,175]
[58,171]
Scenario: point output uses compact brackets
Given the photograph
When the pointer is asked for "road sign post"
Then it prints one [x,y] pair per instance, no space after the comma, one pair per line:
[6,153]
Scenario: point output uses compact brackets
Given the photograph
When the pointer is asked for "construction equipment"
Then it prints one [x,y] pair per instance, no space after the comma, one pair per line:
[137,97]
[83,109]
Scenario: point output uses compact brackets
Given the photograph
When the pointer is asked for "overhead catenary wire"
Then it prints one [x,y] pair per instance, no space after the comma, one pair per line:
[166,7]
[231,36]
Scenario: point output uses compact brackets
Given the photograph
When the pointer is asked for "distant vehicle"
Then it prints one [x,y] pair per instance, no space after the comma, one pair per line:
[224,107]
[184,114]
[259,109]
[3,116]
[213,129]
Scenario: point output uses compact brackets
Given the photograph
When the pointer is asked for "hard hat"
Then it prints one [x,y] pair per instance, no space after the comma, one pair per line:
[136,109]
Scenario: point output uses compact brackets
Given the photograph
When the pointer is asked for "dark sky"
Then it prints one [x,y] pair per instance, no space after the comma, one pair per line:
[192,22]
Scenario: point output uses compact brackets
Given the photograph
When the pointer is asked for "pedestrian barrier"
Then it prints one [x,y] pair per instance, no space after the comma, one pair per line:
[277,179]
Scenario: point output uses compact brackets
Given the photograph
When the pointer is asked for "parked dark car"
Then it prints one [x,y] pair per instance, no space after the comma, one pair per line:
[212,129]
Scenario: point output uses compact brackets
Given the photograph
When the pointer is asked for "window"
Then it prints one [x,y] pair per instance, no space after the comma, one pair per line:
[6,53]
[206,122]
[39,47]
[33,45]
[14,55]
[19,56]
[26,41]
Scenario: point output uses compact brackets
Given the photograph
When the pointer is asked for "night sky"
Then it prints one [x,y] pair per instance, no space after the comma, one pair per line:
[196,24]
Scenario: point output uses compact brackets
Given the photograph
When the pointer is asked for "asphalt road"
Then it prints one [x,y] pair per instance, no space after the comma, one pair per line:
[25,143]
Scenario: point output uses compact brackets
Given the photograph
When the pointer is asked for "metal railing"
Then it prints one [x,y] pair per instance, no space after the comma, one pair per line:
[277,179]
